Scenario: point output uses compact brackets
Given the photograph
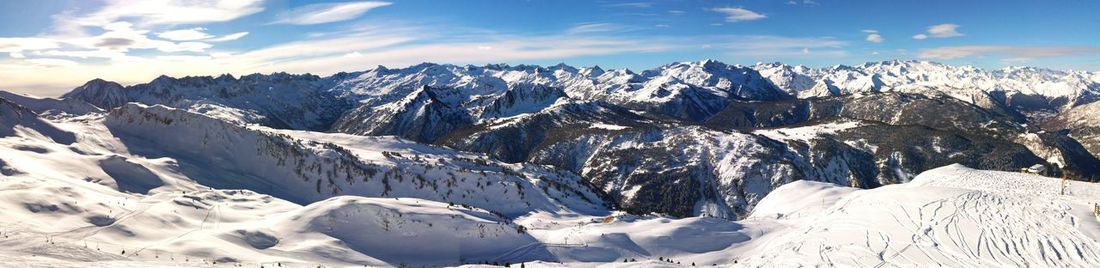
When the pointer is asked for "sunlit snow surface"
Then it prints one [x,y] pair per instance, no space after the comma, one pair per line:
[97,201]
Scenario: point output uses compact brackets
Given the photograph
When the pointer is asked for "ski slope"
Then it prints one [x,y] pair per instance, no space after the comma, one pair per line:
[951,216]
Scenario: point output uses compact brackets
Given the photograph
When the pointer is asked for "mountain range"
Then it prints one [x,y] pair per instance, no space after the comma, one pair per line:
[681,140]
[715,137]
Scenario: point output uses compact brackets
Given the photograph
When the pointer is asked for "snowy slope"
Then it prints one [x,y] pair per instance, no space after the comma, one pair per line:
[315,168]
[952,216]
[16,120]
[51,108]
[97,197]
[104,200]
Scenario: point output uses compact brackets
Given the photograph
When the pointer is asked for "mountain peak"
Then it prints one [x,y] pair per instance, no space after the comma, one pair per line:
[101,93]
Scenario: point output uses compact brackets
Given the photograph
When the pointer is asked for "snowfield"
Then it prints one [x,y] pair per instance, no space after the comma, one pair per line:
[133,188]
[952,216]
[73,195]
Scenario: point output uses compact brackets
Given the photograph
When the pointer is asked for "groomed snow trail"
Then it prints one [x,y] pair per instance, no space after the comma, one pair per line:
[951,216]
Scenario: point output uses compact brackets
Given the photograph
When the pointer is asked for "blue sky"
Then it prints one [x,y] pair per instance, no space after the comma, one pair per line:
[50,46]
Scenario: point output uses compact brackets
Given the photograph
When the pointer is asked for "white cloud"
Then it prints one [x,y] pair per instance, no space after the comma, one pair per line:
[735,14]
[122,37]
[940,31]
[327,12]
[873,36]
[117,28]
[117,39]
[944,30]
[955,52]
[16,55]
[26,44]
[229,37]
[197,33]
[166,12]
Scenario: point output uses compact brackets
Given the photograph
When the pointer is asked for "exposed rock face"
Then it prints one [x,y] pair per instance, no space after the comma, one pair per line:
[670,165]
[1082,123]
[101,93]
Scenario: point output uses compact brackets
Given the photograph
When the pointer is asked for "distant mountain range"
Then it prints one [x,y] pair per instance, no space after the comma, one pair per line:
[683,139]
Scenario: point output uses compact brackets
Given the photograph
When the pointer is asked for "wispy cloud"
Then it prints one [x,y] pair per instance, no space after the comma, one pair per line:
[735,14]
[781,46]
[164,12]
[803,2]
[873,36]
[196,33]
[594,28]
[327,12]
[939,31]
[20,44]
[229,37]
[115,29]
[1014,52]
[631,5]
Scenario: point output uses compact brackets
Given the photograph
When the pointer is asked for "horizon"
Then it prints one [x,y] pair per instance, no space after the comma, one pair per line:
[509,65]
[50,47]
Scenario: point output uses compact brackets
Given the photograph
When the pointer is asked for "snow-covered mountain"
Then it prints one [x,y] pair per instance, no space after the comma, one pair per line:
[278,100]
[572,119]
[304,168]
[1038,92]
[16,120]
[163,185]
[499,163]
[1083,123]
